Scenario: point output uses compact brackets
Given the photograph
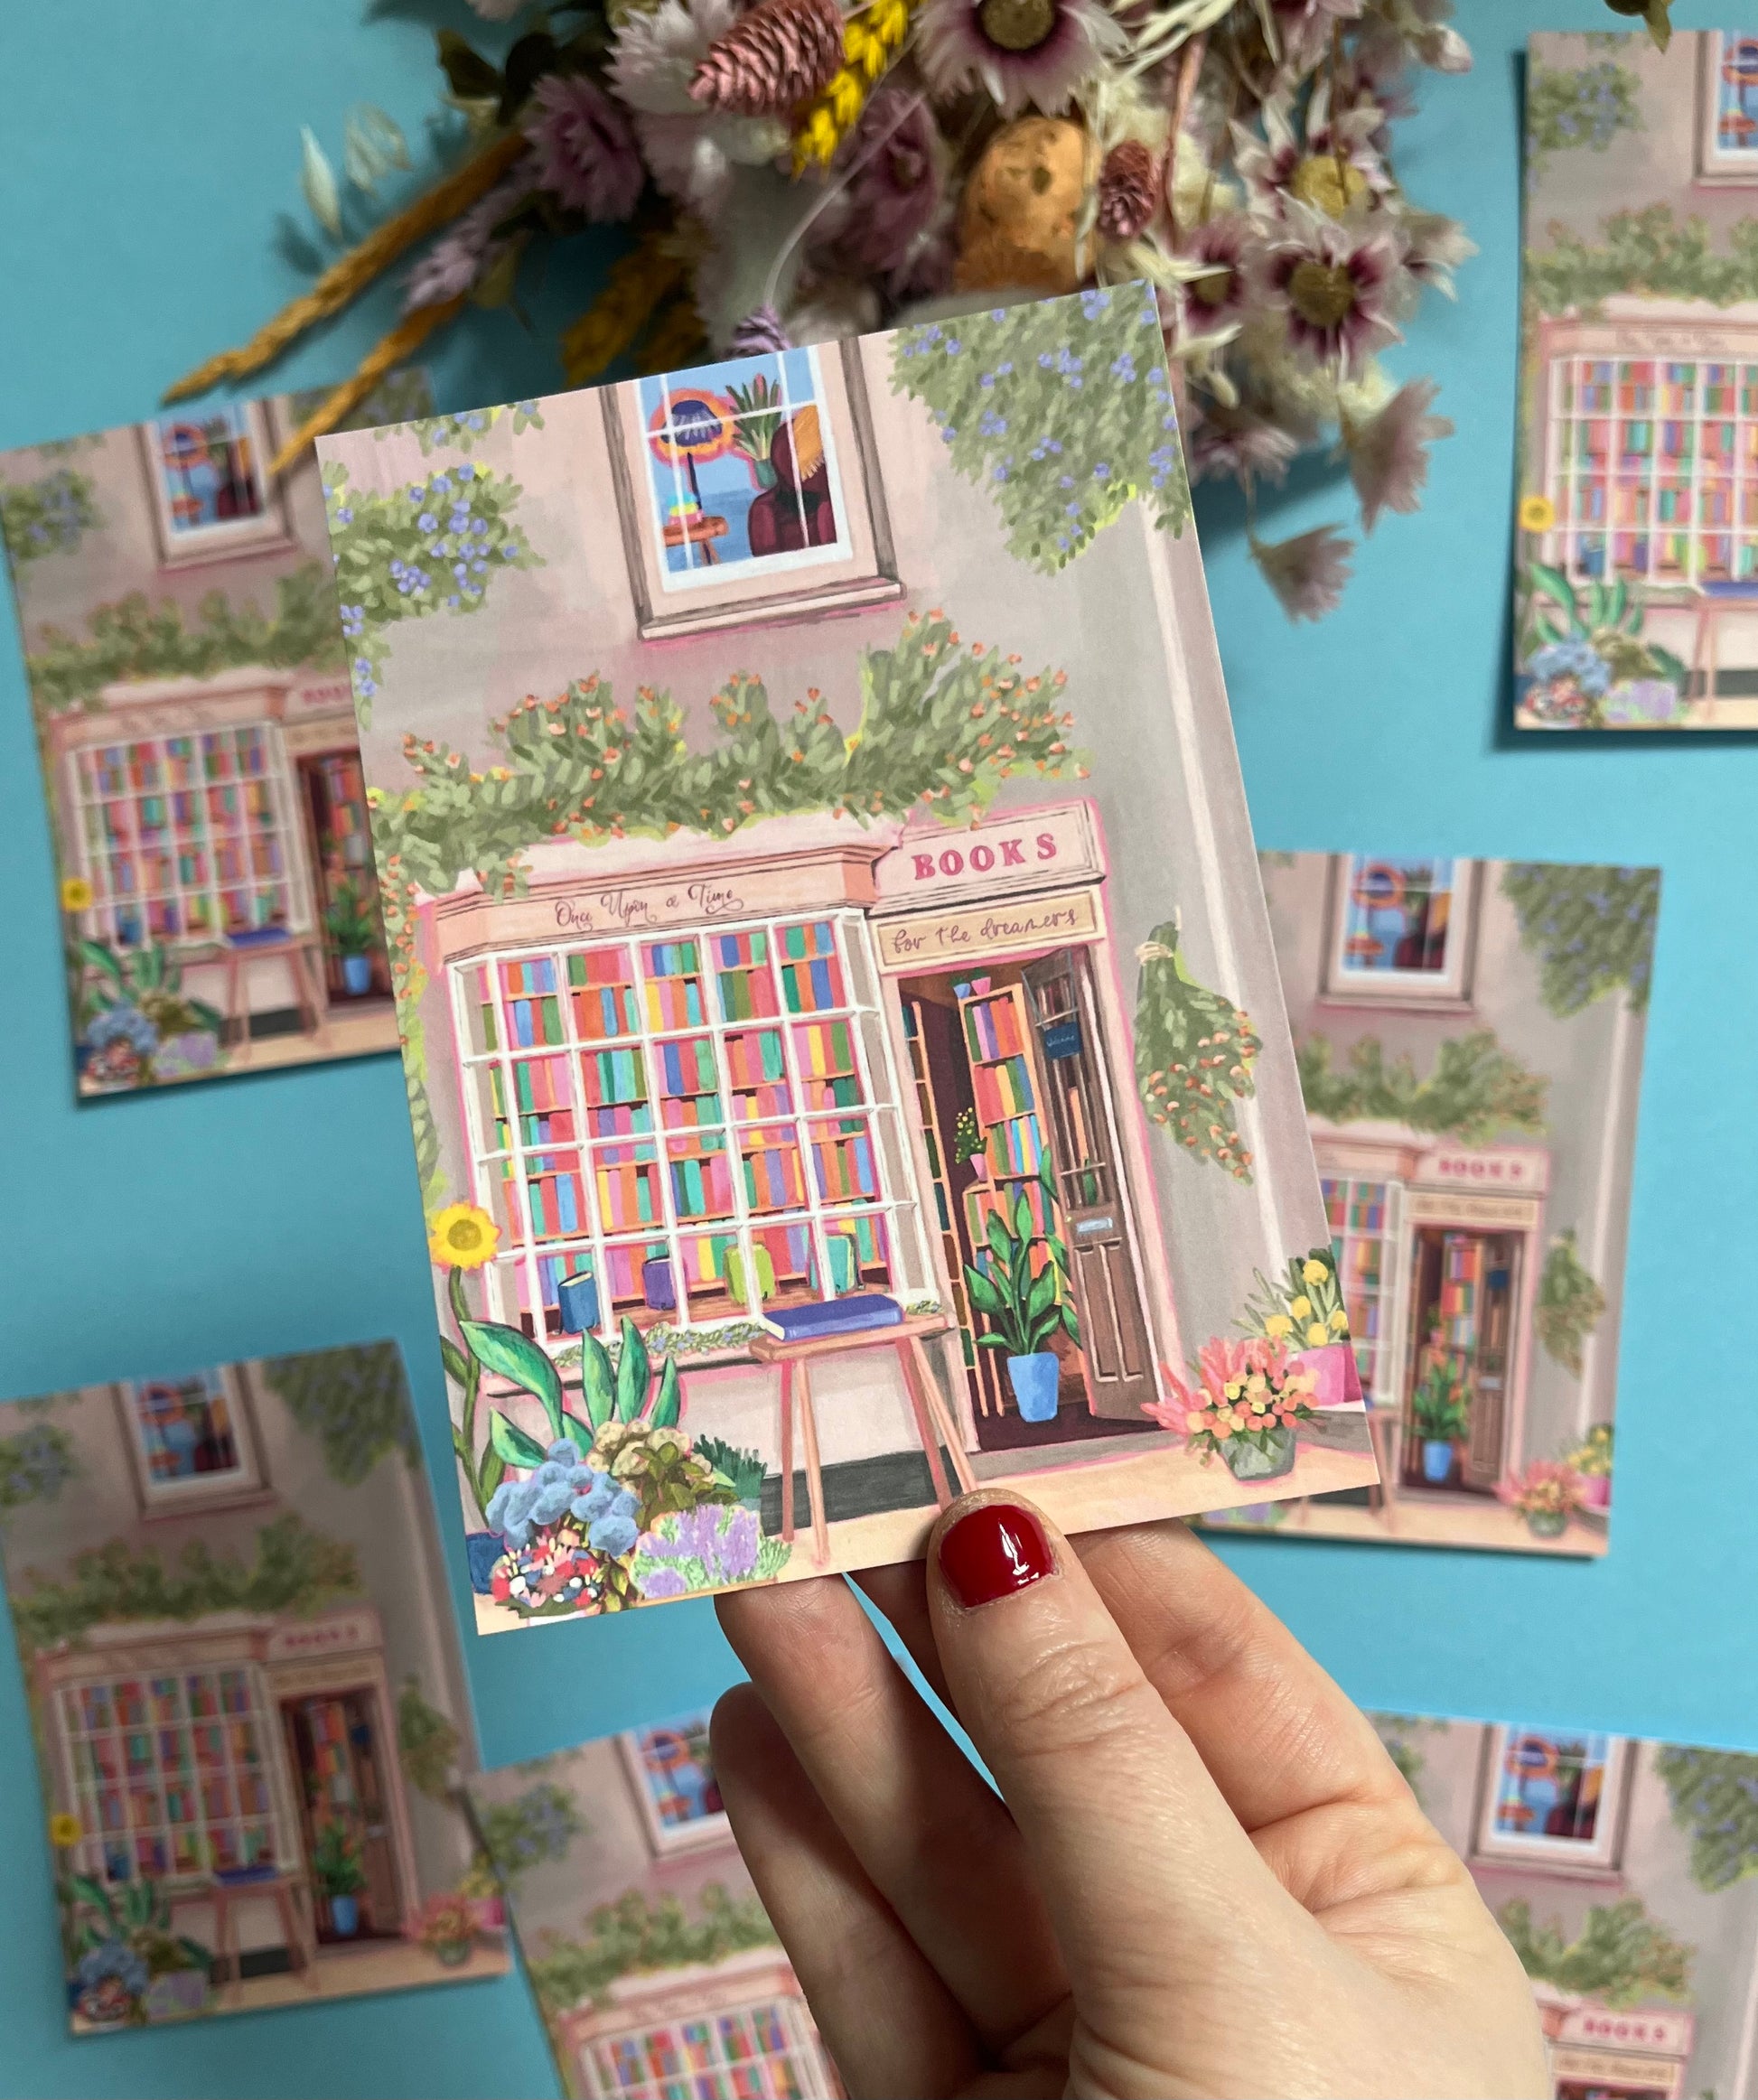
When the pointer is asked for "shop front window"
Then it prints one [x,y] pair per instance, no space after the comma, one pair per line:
[686,1129]
[1400,929]
[1552,1795]
[1365,1222]
[760,2051]
[187,837]
[170,1774]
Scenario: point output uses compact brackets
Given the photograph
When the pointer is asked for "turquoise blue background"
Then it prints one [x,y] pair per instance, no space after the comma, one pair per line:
[149,215]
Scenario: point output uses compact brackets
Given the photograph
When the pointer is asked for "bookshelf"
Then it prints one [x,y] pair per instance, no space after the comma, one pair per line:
[692,1120]
[981,1367]
[1364,1220]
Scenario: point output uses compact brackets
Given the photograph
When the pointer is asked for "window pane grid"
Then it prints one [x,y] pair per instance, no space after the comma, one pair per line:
[752,2052]
[187,837]
[1359,1216]
[680,1119]
[1653,469]
[169,1773]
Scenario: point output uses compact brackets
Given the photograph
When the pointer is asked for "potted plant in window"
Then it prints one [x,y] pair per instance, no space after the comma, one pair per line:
[968,1145]
[353,935]
[1026,1310]
[1247,1403]
[446,1927]
[1591,1459]
[340,1877]
[1546,1494]
[1440,1411]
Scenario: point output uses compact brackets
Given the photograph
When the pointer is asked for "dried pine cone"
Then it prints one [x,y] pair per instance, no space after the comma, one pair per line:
[1129,189]
[779,54]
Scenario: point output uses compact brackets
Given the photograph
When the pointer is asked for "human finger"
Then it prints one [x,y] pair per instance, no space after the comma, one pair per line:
[930,1833]
[900,1593]
[889,2023]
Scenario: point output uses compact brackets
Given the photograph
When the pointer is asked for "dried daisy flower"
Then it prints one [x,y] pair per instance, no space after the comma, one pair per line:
[1307,572]
[1022,52]
[1337,286]
[1389,454]
[585,150]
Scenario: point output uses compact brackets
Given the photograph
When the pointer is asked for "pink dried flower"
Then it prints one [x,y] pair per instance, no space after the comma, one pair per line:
[467,251]
[586,152]
[896,189]
[1305,28]
[1330,165]
[1433,247]
[1307,572]
[1336,285]
[1129,189]
[1389,454]
[1240,445]
[1022,52]
[778,55]
[1218,295]
[761,331]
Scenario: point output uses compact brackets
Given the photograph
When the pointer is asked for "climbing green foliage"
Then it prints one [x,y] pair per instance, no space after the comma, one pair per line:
[35,1465]
[429,1744]
[1570,1304]
[354,1400]
[1590,929]
[633,1936]
[1061,441]
[1476,1091]
[942,724]
[462,434]
[1650,251]
[49,516]
[135,638]
[1715,1797]
[293,1570]
[1194,1054]
[539,1825]
[1622,1957]
[1567,110]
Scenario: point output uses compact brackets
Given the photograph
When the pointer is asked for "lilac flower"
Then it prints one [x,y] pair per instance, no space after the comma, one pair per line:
[455,262]
[1307,572]
[1389,454]
[585,152]
[760,331]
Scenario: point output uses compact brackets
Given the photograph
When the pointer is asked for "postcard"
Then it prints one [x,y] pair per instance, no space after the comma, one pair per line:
[655,1968]
[1470,1041]
[1636,543]
[191,691]
[252,1721]
[1619,1869]
[842,1033]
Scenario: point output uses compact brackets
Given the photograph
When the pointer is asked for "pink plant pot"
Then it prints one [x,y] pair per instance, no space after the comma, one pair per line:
[1596,1490]
[1333,1366]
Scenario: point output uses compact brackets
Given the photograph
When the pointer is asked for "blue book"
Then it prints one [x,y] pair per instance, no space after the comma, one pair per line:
[867,1309]
[578,1301]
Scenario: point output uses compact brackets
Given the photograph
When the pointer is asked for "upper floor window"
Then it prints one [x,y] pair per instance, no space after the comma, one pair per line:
[207,474]
[1728,107]
[1400,930]
[675,1782]
[192,1440]
[1552,1796]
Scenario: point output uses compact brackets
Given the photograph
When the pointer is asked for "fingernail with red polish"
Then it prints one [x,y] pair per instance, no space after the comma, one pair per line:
[996,1550]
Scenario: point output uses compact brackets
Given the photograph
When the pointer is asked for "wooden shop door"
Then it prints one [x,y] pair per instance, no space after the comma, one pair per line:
[1114,1341]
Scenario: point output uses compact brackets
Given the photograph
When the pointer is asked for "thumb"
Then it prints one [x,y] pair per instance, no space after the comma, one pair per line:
[1135,1850]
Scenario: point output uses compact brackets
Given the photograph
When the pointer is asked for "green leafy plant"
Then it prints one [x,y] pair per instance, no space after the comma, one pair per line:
[294,1572]
[743,1472]
[1714,1795]
[137,1915]
[1567,111]
[35,1465]
[133,639]
[1651,251]
[336,1865]
[1440,1407]
[636,1935]
[350,923]
[758,421]
[1194,1055]
[1025,1310]
[1303,1308]
[1590,639]
[429,1744]
[150,977]
[47,516]
[539,1825]
[355,1401]
[1570,1304]
[1592,930]
[1622,1957]
[1061,443]
[943,725]
[1476,1091]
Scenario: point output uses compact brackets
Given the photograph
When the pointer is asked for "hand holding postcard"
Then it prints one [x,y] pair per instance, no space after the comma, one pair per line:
[842,1032]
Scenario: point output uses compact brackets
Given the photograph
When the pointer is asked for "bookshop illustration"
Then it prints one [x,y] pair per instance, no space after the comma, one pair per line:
[1470,1037]
[655,1968]
[251,1719]
[199,753]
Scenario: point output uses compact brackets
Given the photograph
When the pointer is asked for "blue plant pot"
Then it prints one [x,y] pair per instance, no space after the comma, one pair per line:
[482,1550]
[356,974]
[345,1916]
[1034,1380]
[1437,1461]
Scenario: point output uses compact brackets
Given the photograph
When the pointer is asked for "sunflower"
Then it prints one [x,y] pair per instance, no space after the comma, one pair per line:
[462,1236]
[76,893]
[1537,514]
[64,1830]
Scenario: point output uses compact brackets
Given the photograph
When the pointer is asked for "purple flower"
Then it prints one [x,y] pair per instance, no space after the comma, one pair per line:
[758,333]
[896,193]
[664,1582]
[455,262]
[1035,51]
[585,152]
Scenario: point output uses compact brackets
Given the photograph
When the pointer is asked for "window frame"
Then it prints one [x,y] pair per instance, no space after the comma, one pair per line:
[897,1206]
[802,2051]
[866,576]
[268,530]
[1384,1387]
[202,1491]
[70,1732]
[1598,1858]
[1447,990]
[87,804]
[1717,166]
[667,1840]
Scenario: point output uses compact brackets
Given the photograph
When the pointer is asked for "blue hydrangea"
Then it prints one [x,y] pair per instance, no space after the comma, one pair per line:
[614,1536]
[123,1023]
[112,1957]
[1573,659]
